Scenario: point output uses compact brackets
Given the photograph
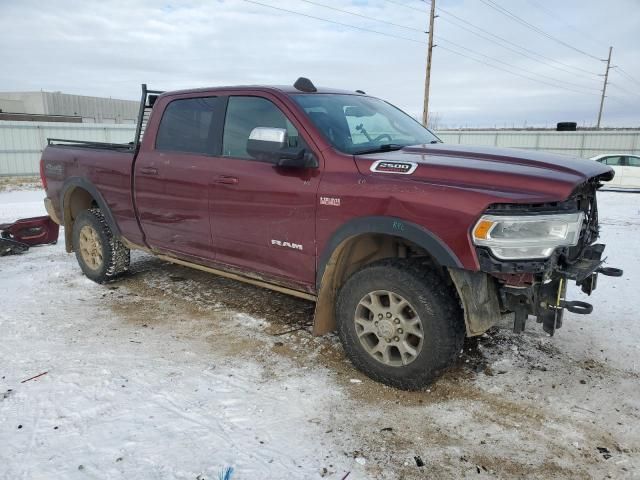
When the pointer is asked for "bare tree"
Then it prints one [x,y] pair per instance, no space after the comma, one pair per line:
[434,120]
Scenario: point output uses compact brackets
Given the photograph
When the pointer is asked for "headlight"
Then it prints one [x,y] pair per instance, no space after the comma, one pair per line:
[527,236]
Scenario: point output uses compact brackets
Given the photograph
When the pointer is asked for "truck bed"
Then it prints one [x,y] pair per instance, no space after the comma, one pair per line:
[106,167]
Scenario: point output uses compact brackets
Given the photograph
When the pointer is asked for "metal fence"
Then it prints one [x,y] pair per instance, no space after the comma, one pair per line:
[21,143]
[583,144]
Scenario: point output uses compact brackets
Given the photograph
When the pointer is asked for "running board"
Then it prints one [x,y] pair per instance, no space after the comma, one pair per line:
[241,278]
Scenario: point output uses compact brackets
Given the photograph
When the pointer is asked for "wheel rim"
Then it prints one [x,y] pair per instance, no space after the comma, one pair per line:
[389,328]
[91,247]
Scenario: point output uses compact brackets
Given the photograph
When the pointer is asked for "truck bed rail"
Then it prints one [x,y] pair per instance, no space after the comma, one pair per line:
[146,104]
[90,144]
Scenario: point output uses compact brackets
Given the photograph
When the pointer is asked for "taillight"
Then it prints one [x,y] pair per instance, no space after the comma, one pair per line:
[42,177]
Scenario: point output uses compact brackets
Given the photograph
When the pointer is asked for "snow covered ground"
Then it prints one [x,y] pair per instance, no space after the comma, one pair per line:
[173,373]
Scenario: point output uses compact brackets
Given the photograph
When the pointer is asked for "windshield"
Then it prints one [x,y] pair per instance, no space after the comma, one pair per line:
[357,124]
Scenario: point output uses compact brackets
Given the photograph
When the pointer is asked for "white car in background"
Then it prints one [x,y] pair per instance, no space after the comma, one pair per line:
[627,168]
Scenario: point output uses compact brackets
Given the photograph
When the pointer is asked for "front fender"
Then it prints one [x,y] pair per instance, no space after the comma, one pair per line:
[332,270]
[393,226]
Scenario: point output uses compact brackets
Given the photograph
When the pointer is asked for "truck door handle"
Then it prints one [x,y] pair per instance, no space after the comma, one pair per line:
[227,180]
[148,171]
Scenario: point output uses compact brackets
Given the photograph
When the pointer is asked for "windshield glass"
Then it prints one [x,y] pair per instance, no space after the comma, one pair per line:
[357,124]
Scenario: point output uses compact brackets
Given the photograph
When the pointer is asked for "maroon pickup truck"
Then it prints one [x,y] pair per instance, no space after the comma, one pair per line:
[405,244]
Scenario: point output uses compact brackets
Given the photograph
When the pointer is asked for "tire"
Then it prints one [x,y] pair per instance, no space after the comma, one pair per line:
[101,256]
[429,297]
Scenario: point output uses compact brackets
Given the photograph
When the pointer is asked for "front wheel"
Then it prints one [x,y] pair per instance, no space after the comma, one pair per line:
[100,255]
[400,323]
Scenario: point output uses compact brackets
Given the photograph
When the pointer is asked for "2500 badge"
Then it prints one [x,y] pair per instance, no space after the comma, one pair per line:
[385,166]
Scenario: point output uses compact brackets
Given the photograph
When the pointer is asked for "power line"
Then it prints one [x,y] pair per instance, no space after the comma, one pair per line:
[539,6]
[513,44]
[509,44]
[511,72]
[504,11]
[491,59]
[624,89]
[337,23]
[424,43]
[516,67]
[405,6]
[548,12]
[363,16]
[620,70]
[622,101]
[453,43]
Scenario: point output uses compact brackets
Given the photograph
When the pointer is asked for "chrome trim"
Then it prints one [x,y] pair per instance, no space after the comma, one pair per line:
[268,134]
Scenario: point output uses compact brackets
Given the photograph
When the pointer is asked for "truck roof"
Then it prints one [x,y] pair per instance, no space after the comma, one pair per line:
[287,89]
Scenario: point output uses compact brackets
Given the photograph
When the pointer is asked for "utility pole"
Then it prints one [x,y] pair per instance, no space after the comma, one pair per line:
[604,87]
[427,77]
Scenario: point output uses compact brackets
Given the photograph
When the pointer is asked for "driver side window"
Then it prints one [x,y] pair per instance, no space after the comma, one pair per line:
[246,113]
[614,161]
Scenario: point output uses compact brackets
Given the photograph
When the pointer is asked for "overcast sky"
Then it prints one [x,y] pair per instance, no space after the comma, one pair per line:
[109,47]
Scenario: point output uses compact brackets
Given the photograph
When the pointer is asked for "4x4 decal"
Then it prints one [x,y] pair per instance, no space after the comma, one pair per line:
[386,166]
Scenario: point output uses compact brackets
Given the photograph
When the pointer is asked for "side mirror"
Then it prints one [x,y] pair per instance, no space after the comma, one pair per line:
[296,157]
[272,145]
[266,143]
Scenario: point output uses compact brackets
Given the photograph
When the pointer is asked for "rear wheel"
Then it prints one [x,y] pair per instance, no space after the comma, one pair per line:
[400,322]
[100,255]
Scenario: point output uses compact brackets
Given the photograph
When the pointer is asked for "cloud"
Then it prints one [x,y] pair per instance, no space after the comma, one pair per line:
[108,48]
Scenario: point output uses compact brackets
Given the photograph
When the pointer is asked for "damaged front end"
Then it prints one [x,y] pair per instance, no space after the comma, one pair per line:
[531,252]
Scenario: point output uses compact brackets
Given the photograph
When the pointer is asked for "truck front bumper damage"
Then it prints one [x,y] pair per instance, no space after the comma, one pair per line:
[522,289]
[479,296]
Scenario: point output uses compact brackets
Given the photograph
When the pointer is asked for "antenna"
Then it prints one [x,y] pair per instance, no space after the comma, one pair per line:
[305,85]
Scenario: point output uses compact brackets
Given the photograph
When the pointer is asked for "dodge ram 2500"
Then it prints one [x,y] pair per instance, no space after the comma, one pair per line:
[405,244]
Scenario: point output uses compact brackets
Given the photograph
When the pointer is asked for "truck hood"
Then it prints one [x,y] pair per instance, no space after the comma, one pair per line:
[538,175]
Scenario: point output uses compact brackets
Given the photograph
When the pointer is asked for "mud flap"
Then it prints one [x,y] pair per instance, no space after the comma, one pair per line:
[479,296]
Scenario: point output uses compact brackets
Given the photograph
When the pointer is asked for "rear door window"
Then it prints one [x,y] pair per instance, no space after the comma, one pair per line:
[189,126]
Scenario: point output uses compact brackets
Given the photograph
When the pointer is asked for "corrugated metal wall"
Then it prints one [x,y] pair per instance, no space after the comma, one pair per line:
[91,109]
[578,144]
[21,143]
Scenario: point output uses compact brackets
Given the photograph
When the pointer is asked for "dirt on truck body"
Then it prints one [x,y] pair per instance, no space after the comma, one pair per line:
[406,244]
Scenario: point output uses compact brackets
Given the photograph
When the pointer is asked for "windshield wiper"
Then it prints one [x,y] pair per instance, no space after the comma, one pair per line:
[386,147]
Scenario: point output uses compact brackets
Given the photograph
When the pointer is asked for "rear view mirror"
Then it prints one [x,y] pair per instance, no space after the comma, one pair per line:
[357,111]
[272,145]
